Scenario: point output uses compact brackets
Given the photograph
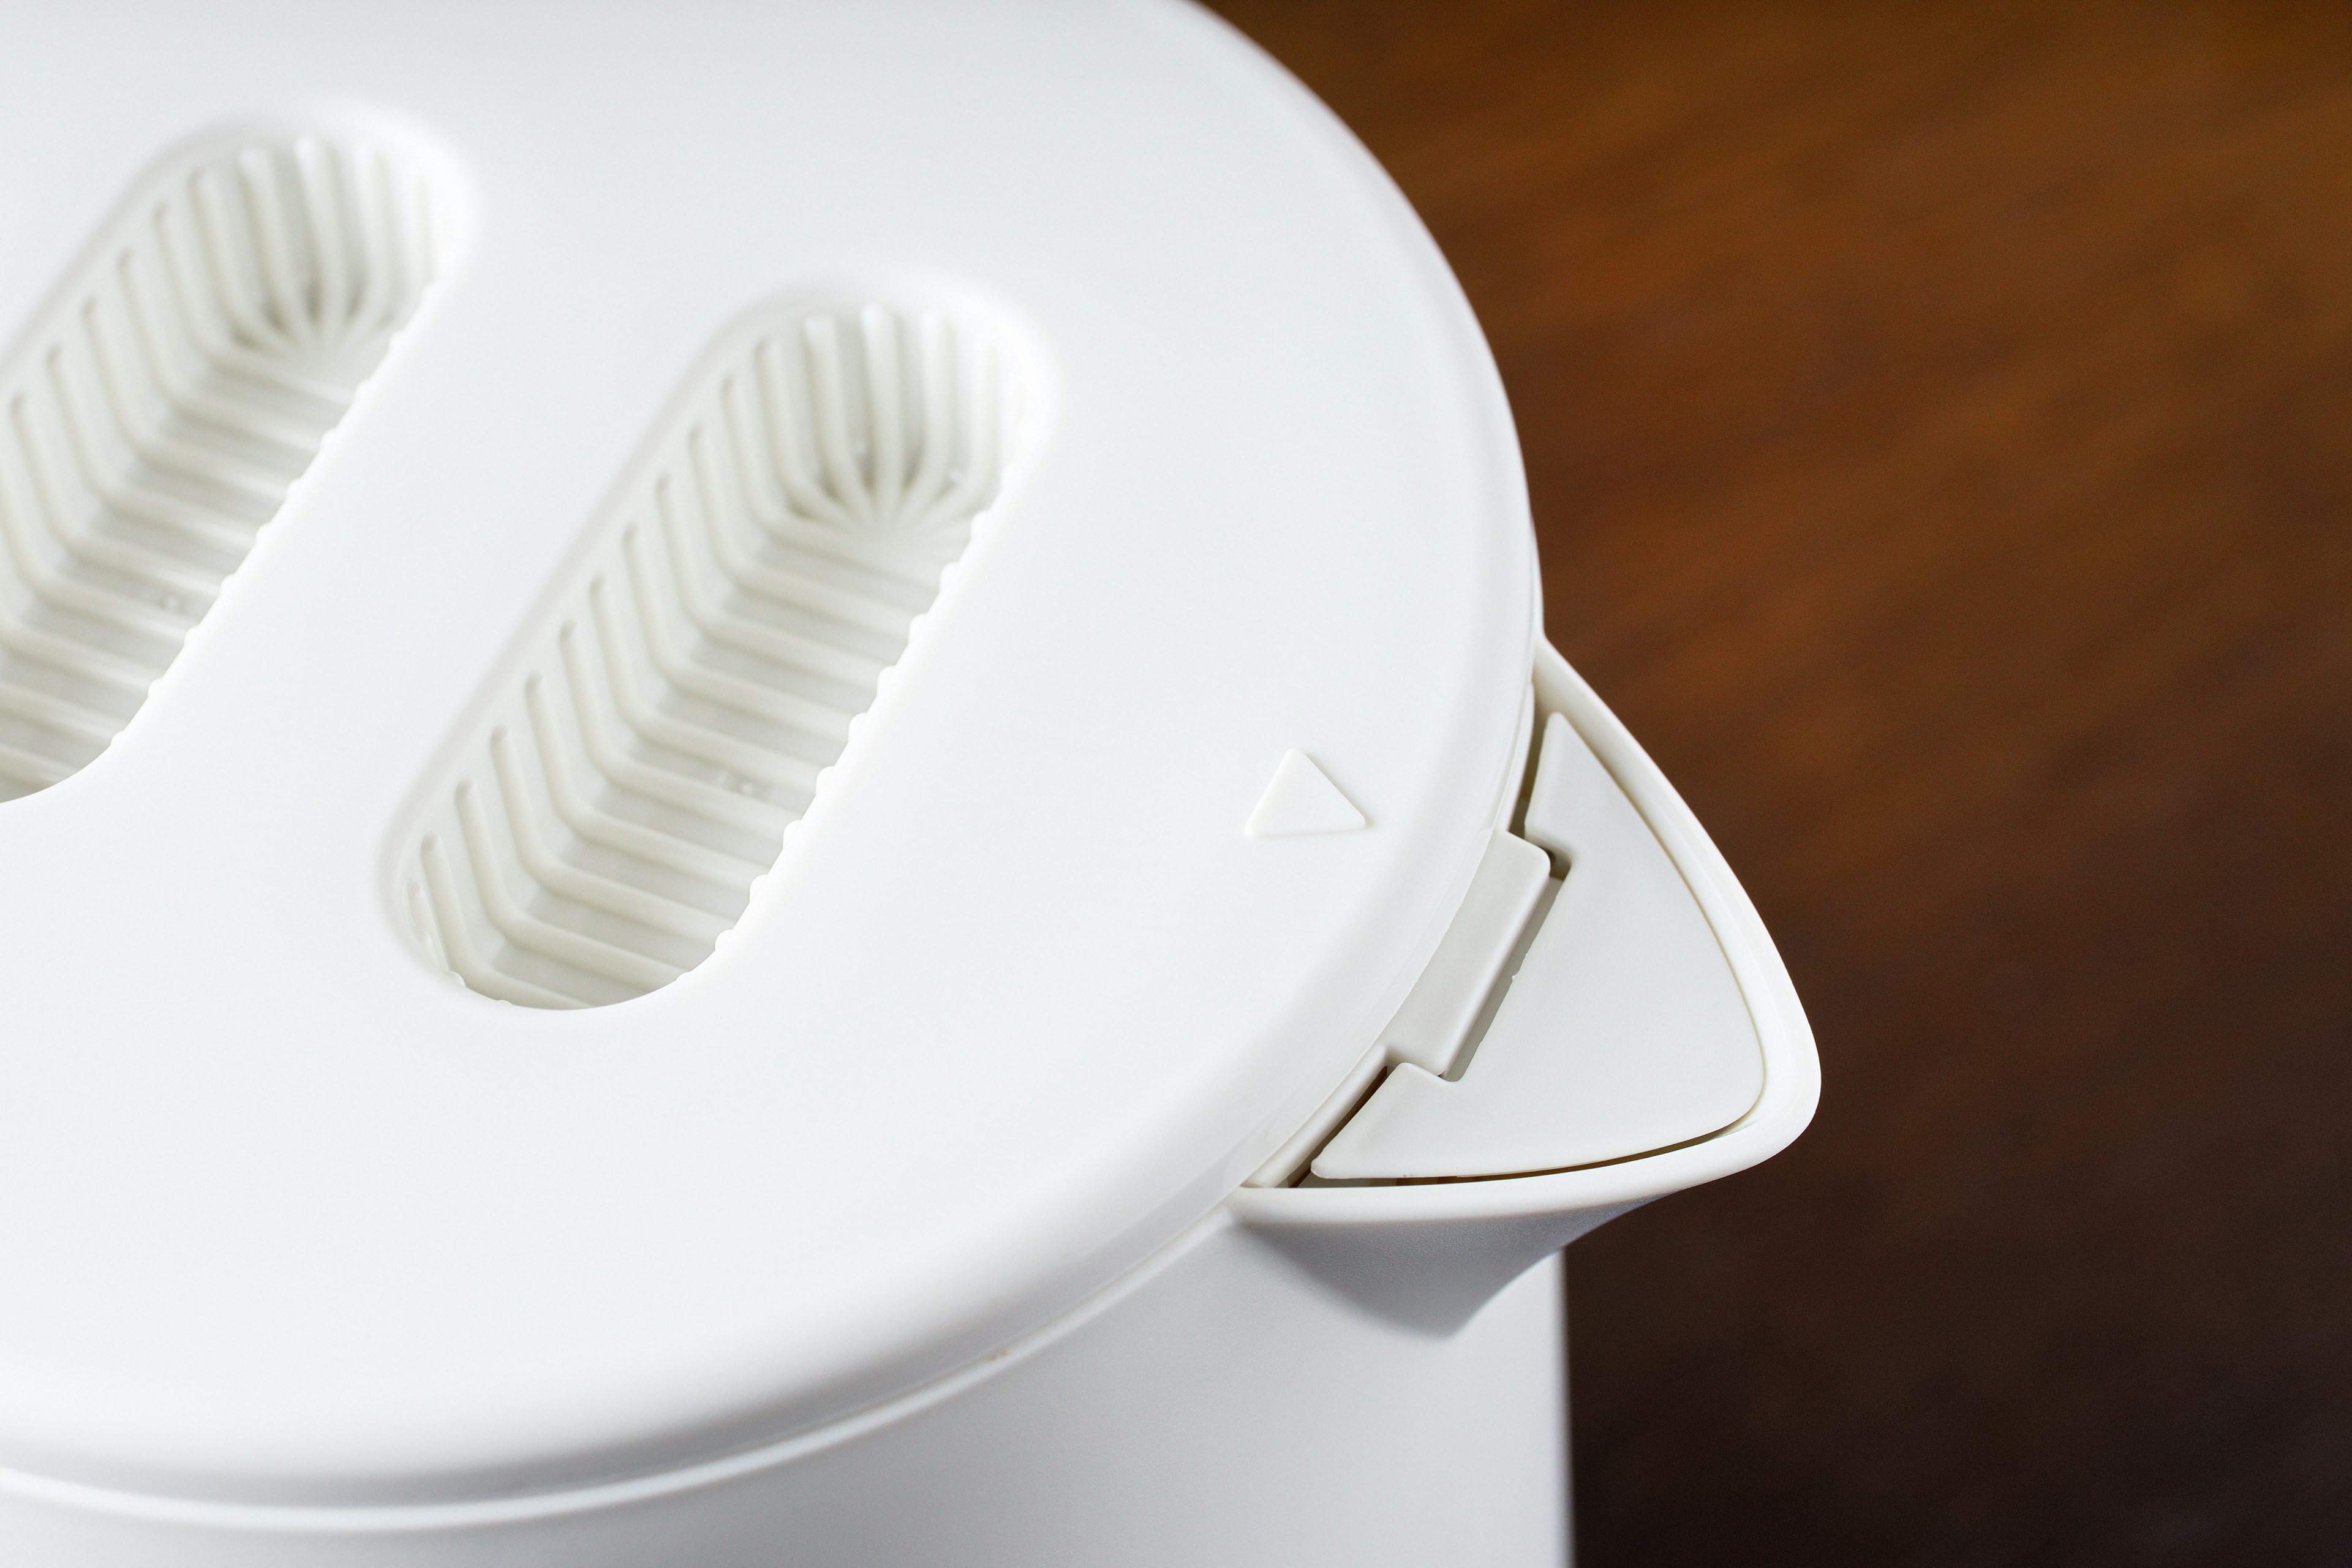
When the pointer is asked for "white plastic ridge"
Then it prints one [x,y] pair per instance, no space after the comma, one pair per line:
[605,828]
[152,419]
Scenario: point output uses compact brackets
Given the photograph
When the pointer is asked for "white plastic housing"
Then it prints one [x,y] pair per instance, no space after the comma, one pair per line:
[1224,1407]
[1241,1397]
[851,837]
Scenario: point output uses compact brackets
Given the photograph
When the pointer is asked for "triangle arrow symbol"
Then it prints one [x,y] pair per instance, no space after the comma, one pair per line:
[1301,799]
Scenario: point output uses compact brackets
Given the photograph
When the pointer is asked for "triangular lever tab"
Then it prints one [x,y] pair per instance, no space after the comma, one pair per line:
[1624,1030]
[1301,799]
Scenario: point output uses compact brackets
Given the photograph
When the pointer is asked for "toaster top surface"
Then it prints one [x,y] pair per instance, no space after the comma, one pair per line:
[288,1214]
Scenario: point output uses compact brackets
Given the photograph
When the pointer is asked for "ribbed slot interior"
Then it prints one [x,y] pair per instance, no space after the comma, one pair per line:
[156,416]
[702,672]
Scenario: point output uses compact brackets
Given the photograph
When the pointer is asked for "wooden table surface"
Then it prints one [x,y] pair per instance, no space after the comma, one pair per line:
[1939,423]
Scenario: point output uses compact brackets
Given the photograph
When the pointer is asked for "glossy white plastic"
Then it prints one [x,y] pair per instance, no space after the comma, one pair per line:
[526,1045]
[1222,1407]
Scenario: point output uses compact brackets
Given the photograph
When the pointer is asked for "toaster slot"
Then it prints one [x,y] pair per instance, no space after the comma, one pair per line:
[677,710]
[156,415]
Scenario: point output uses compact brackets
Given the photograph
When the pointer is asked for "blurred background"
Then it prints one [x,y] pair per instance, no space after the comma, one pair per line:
[1939,418]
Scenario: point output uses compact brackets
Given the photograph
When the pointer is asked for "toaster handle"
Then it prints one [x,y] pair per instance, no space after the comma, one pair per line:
[1622,1029]
[1646,1038]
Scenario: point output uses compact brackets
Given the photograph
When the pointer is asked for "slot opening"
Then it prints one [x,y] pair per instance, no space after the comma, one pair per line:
[678,709]
[154,416]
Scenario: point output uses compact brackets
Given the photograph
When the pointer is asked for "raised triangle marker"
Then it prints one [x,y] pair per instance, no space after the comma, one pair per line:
[1301,799]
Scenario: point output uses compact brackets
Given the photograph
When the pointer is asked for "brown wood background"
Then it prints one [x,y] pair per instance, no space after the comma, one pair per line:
[1939,423]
